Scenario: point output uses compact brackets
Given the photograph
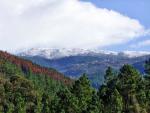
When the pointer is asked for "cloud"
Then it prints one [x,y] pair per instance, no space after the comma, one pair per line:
[63,23]
[144,43]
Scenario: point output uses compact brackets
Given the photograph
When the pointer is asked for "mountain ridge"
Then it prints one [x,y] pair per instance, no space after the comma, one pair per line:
[92,64]
[55,53]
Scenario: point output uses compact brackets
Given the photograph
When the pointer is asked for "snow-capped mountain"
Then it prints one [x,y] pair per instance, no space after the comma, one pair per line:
[53,53]
[74,62]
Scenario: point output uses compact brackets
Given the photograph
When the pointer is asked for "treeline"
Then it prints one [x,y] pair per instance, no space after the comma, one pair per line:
[23,91]
[124,92]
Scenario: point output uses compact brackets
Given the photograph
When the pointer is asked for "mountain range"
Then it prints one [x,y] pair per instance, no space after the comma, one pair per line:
[54,53]
[74,62]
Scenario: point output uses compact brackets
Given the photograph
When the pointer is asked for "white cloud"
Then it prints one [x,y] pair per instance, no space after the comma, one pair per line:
[63,23]
[144,43]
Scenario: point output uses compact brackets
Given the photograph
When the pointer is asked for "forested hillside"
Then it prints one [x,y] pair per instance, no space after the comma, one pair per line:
[28,88]
[93,65]
[27,66]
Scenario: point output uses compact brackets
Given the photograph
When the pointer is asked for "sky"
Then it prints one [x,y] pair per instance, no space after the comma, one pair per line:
[137,9]
[104,24]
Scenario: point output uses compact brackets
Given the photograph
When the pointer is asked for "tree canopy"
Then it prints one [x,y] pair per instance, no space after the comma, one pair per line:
[24,91]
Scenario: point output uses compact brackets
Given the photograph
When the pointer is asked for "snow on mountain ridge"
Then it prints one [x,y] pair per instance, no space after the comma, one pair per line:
[131,54]
[54,53]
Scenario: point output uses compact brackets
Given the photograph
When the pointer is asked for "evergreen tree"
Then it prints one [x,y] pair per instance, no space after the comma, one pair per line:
[83,91]
[127,83]
[67,102]
[147,66]
[19,103]
[45,103]
[108,75]
[95,105]
[116,102]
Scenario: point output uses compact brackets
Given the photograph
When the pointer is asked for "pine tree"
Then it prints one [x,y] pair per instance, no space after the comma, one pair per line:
[45,103]
[109,75]
[147,66]
[67,102]
[83,91]
[95,105]
[116,102]
[127,83]
[19,103]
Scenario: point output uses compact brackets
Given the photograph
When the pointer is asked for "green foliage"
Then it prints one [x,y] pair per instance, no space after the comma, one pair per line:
[22,91]
[116,102]
[25,92]
[109,75]
[67,102]
[9,69]
[147,66]
[128,79]
[15,95]
[83,91]
[80,98]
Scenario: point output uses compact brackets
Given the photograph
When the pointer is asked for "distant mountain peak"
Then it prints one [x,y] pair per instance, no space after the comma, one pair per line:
[56,53]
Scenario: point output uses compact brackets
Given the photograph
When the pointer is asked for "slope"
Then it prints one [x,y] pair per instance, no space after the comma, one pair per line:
[93,65]
[27,66]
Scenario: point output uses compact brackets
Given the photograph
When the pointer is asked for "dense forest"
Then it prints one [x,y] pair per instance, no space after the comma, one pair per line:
[28,88]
